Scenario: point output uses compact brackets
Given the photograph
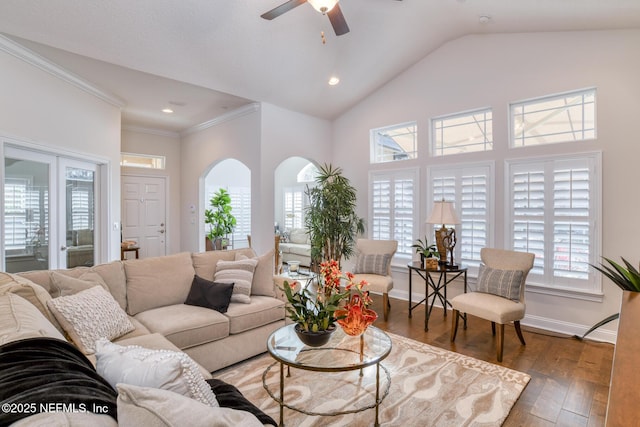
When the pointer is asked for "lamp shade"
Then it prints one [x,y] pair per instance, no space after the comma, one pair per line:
[443,213]
[323,6]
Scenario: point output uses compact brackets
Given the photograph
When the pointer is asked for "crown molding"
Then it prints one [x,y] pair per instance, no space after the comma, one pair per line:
[231,115]
[151,131]
[17,50]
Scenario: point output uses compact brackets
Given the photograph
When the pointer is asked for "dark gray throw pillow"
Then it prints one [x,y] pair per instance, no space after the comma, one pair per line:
[504,283]
[208,294]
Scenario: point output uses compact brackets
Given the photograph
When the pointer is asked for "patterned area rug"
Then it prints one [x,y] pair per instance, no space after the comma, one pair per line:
[429,387]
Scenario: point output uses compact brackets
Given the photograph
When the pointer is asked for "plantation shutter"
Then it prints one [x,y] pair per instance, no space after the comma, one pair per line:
[241,210]
[293,207]
[393,208]
[554,214]
[468,187]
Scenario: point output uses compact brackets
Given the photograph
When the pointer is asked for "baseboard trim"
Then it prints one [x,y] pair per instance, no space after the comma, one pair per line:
[538,322]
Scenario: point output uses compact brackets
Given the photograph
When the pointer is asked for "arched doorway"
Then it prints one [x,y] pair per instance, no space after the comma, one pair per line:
[235,177]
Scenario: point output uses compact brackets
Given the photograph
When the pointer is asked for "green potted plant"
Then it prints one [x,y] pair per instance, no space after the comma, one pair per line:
[315,314]
[427,252]
[330,218]
[626,278]
[219,218]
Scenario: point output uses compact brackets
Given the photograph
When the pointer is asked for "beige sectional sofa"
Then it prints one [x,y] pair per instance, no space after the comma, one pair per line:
[152,292]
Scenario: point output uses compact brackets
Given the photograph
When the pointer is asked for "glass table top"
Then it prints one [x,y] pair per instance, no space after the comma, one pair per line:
[342,352]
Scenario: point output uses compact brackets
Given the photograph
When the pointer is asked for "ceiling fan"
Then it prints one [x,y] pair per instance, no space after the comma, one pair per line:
[331,8]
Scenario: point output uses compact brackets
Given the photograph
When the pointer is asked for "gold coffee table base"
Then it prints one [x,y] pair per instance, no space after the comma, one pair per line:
[379,397]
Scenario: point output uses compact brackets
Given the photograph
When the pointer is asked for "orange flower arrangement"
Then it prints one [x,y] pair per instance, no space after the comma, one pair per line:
[355,317]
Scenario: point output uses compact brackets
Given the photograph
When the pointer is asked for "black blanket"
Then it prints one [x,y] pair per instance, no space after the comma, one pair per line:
[49,375]
[229,396]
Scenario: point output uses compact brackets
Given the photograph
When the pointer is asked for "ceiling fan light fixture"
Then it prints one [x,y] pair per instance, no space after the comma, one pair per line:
[323,6]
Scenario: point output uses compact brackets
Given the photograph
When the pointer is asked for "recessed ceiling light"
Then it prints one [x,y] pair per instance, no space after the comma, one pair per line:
[484,19]
[167,110]
[334,81]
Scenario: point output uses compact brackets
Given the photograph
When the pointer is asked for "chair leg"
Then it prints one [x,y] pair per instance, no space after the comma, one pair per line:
[493,328]
[454,325]
[519,331]
[386,305]
[500,343]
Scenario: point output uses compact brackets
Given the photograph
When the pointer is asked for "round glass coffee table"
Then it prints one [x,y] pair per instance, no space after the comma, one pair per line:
[342,353]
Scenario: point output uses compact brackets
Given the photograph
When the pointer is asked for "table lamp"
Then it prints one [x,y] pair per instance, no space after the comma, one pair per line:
[443,213]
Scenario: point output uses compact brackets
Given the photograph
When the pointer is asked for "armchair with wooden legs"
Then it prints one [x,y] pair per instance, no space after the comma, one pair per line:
[376,272]
[502,297]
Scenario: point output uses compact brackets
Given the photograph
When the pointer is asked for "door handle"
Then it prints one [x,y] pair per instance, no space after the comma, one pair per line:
[63,248]
[161,231]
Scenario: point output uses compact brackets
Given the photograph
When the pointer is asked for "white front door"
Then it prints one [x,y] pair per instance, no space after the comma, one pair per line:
[144,213]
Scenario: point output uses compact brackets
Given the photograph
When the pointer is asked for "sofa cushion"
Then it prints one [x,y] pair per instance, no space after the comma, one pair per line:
[43,277]
[262,283]
[504,283]
[240,273]
[298,249]
[113,275]
[32,292]
[262,311]
[372,264]
[204,263]
[156,342]
[158,281]
[143,367]
[63,285]
[19,319]
[208,294]
[186,325]
[145,406]
[139,329]
[298,235]
[89,315]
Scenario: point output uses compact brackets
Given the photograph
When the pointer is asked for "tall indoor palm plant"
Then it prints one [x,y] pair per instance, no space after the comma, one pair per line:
[330,218]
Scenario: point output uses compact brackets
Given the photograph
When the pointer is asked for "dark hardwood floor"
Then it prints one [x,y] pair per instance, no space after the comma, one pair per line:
[569,378]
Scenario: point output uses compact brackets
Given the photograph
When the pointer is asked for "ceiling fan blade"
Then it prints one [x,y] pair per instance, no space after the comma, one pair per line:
[284,7]
[337,20]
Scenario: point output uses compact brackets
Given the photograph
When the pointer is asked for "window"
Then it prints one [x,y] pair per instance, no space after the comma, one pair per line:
[469,188]
[392,143]
[554,205]
[393,198]
[241,210]
[462,133]
[144,161]
[25,219]
[293,207]
[553,119]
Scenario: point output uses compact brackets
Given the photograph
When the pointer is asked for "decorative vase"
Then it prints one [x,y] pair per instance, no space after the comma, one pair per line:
[314,339]
[355,317]
[431,263]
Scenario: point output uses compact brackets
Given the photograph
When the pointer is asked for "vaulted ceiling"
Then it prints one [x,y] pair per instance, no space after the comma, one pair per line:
[204,57]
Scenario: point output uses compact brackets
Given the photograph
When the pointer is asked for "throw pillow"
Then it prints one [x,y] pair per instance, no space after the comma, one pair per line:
[262,283]
[372,264]
[63,285]
[89,315]
[504,283]
[32,292]
[144,406]
[241,274]
[143,367]
[208,294]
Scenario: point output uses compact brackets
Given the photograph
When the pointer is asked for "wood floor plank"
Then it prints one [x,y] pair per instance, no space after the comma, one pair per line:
[569,378]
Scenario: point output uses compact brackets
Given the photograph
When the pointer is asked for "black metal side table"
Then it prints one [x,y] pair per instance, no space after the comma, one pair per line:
[433,289]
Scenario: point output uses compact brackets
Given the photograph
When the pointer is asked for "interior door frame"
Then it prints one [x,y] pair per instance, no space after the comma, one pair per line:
[167,238]
[104,191]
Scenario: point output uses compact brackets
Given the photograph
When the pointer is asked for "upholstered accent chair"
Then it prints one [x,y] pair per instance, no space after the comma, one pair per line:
[499,294]
[373,264]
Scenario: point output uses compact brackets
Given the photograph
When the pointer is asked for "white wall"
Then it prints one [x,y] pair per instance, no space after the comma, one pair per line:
[261,139]
[49,113]
[493,70]
[166,144]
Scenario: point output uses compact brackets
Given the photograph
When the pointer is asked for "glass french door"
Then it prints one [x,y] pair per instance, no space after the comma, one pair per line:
[49,211]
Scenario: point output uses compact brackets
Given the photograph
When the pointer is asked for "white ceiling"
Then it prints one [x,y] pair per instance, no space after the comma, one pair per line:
[180,47]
